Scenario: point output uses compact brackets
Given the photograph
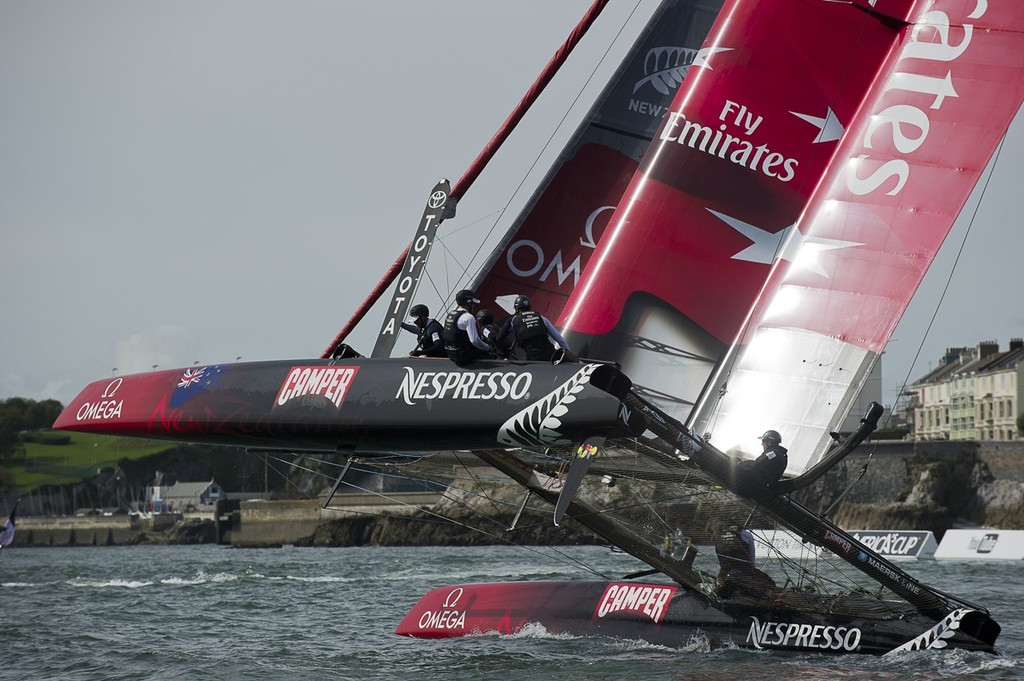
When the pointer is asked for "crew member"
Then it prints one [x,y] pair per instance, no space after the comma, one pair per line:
[462,341]
[737,575]
[429,333]
[532,332]
[489,332]
[774,458]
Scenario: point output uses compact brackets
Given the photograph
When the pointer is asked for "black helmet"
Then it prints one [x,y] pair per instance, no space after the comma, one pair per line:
[419,311]
[465,296]
[772,436]
[521,303]
[485,317]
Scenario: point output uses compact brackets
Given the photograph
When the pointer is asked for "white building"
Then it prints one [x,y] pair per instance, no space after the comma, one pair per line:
[974,394]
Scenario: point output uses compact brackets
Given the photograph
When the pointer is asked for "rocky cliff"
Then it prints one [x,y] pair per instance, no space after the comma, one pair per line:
[924,486]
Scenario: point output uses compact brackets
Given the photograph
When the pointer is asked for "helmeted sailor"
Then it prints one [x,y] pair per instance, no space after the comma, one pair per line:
[429,333]
[489,332]
[737,574]
[462,341]
[533,333]
[774,458]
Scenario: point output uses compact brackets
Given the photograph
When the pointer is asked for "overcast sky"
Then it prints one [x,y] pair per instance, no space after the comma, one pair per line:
[201,181]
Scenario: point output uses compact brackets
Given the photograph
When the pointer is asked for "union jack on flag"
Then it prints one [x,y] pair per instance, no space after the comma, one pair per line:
[190,376]
[195,381]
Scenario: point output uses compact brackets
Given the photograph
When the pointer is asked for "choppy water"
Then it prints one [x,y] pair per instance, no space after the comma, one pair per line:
[211,612]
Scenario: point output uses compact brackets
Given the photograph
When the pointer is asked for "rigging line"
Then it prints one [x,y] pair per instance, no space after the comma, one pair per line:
[558,127]
[463,504]
[483,493]
[438,518]
[448,253]
[956,261]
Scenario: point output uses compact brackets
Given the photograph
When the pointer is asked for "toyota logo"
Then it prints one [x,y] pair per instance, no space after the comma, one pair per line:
[437,199]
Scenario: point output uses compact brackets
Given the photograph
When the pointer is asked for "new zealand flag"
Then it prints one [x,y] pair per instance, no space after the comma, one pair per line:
[194,381]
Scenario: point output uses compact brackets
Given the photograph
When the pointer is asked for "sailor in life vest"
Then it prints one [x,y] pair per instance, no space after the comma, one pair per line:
[429,333]
[462,341]
[532,332]
[489,332]
[737,575]
[774,458]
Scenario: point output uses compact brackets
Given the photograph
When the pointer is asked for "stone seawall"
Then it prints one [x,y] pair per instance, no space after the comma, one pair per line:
[91,530]
[886,485]
[273,523]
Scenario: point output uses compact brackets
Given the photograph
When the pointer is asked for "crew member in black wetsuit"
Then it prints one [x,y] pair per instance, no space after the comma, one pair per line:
[462,341]
[771,465]
[753,476]
[429,333]
[489,332]
[533,332]
[737,575]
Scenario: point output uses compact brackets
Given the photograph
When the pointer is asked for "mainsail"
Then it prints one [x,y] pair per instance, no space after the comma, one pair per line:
[746,141]
[939,103]
[550,244]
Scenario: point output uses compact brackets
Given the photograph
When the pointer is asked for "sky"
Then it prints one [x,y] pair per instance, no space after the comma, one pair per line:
[197,182]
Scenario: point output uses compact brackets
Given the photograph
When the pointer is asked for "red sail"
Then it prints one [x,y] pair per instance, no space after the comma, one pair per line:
[547,249]
[941,100]
[749,138]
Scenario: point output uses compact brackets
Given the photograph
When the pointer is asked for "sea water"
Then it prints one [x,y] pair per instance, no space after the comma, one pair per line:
[214,612]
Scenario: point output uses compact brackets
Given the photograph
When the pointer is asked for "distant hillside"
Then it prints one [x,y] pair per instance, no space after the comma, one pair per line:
[57,473]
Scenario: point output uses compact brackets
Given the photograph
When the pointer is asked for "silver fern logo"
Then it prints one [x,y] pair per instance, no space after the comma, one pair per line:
[665,68]
[935,638]
[539,423]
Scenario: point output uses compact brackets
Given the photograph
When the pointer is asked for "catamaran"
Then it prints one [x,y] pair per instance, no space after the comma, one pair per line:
[727,241]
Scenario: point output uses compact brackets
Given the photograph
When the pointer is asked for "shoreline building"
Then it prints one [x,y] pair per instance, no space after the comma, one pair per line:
[974,394]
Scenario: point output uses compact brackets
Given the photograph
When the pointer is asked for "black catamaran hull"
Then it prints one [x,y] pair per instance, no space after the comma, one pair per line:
[366,405]
[673,615]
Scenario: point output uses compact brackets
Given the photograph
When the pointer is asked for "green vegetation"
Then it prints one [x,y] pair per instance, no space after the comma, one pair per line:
[82,457]
[32,455]
[64,471]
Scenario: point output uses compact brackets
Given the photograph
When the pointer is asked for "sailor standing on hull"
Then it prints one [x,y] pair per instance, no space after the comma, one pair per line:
[462,339]
[533,332]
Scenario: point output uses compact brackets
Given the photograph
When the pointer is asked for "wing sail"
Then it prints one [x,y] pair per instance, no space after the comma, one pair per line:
[550,244]
[940,103]
[748,137]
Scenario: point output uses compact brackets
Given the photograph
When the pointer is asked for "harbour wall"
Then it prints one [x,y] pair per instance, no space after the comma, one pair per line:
[886,485]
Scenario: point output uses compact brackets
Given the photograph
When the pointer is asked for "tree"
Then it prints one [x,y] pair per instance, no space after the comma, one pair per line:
[18,414]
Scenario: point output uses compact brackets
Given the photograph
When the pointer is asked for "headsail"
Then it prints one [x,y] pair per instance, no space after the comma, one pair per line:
[941,101]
